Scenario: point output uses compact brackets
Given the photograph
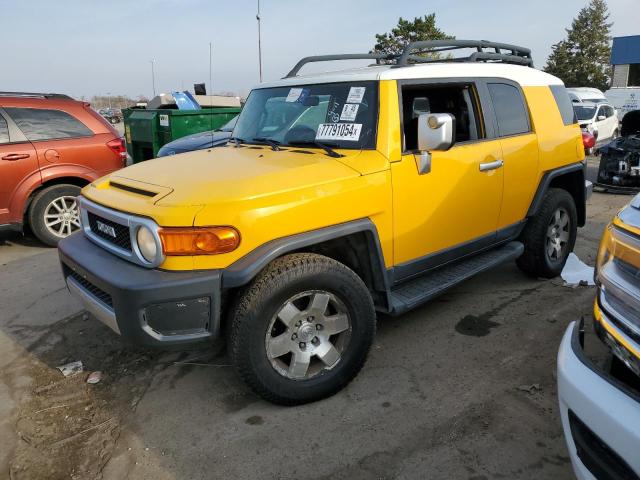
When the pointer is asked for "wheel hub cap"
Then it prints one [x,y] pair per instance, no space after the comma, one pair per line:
[306,333]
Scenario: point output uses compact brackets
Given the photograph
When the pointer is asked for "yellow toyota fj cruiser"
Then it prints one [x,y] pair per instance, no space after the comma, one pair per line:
[338,195]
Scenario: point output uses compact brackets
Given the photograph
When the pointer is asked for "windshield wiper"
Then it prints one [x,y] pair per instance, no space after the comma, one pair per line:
[274,144]
[312,143]
[236,140]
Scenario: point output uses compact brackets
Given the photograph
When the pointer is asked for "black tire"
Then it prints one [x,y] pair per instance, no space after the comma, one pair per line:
[256,307]
[38,207]
[536,260]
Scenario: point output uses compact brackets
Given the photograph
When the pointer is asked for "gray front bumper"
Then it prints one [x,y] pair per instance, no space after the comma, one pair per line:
[145,306]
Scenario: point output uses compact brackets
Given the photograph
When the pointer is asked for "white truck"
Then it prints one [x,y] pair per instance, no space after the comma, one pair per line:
[624,99]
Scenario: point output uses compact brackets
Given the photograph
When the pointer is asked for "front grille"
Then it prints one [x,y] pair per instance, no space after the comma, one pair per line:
[97,292]
[122,238]
[596,455]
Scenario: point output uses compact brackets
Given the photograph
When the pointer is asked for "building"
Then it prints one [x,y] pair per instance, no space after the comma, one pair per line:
[625,60]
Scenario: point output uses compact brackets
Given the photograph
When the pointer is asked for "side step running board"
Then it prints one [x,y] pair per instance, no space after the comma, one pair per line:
[410,294]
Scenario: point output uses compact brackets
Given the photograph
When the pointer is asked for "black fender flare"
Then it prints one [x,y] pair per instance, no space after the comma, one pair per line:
[579,192]
[243,270]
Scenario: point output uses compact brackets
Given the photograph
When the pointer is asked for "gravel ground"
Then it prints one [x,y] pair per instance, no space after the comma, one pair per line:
[462,388]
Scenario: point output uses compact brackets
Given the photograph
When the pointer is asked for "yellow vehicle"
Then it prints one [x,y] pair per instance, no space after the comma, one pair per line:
[617,306]
[338,195]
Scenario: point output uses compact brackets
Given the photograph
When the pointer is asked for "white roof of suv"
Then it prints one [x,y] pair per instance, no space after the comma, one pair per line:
[525,76]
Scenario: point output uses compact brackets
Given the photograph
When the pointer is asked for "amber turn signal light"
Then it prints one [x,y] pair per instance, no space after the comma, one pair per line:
[199,240]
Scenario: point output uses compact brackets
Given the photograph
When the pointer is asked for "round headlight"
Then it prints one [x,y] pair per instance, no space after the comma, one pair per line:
[147,244]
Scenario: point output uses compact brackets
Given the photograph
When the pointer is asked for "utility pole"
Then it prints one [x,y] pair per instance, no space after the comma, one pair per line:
[153,76]
[109,96]
[259,43]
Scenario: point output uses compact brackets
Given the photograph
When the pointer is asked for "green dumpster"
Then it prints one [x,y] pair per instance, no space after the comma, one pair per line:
[147,130]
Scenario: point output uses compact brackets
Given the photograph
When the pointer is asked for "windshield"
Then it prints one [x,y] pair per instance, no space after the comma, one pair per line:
[230,125]
[584,113]
[341,115]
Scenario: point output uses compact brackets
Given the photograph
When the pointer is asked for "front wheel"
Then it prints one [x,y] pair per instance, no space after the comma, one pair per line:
[302,330]
[550,235]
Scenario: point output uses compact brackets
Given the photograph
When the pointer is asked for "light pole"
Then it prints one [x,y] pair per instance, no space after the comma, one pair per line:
[153,76]
[109,97]
[259,43]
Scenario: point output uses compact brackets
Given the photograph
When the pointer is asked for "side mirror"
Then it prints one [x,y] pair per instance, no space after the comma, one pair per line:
[435,131]
[601,118]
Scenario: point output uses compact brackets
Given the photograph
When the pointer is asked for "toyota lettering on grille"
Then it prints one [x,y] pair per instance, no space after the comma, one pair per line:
[104,228]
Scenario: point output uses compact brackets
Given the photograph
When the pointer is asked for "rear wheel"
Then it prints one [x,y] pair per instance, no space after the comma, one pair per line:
[53,213]
[550,235]
[302,330]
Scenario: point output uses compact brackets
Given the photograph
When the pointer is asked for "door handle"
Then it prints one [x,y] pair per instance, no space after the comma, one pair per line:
[485,167]
[15,156]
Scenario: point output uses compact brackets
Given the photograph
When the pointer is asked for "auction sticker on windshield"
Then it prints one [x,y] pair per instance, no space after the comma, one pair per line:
[339,131]
[349,112]
[356,94]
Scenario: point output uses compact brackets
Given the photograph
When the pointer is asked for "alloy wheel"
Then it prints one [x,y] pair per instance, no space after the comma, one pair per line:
[61,216]
[558,233]
[308,335]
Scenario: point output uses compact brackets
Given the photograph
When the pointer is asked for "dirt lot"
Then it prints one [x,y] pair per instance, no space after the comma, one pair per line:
[463,388]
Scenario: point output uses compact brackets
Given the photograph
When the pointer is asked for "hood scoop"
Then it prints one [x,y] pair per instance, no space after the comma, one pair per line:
[130,189]
[118,186]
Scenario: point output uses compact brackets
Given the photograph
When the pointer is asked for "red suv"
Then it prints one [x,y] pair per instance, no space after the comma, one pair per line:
[50,147]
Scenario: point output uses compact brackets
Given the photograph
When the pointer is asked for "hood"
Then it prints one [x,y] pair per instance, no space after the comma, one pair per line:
[197,141]
[629,216]
[231,173]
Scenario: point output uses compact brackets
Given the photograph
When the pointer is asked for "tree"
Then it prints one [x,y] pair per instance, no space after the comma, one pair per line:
[421,28]
[582,59]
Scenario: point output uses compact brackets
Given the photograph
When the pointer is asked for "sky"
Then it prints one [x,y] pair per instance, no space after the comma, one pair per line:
[92,47]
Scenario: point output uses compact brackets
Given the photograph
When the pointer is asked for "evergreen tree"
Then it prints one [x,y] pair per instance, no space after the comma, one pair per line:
[582,59]
[407,31]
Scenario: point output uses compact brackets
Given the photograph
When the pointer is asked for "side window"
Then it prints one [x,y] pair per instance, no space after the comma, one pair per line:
[511,113]
[458,100]
[42,124]
[564,103]
[4,130]
[610,112]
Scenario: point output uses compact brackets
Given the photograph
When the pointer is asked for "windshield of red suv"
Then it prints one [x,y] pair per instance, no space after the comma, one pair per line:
[339,115]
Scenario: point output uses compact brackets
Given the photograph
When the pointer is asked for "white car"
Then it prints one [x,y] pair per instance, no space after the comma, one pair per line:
[599,119]
[599,382]
[600,415]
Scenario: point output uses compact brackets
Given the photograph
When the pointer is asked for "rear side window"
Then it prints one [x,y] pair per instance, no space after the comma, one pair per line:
[4,130]
[510,109]
[564,104]
[41,124]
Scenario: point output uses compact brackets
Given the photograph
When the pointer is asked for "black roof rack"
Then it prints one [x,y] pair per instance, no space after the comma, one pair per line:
[502,52]
[413,53]
[59,96]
